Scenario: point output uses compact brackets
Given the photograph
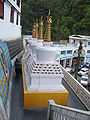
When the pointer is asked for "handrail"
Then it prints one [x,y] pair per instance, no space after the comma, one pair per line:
[77,88]
[59,112]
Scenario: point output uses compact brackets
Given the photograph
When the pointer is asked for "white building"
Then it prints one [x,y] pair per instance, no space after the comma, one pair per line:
[75,39]
[10,12]
[10,27]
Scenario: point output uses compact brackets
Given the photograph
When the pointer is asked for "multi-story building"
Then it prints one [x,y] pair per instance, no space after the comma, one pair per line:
[10,14]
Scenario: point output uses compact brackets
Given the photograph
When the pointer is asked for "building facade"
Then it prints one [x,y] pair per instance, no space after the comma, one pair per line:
[10,12]
[10,26]
[75,39]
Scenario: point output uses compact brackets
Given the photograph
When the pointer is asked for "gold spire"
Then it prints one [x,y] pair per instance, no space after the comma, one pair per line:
[49,20]
[41,28]
[37,26]
[34,31]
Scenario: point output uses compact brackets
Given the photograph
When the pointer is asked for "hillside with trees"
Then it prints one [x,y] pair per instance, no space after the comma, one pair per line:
[68,16]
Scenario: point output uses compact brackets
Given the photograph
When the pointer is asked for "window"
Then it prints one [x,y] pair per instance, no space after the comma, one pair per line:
[69,52]
[17,19]
[12,15]
[62,52]
[88,51]
[18,3]
[2,9]
[88,43]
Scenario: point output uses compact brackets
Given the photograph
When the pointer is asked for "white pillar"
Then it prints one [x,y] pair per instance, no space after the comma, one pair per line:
[64,63]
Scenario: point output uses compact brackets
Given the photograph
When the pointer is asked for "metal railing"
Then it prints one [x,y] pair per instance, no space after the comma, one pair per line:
[58,112]
[77,88]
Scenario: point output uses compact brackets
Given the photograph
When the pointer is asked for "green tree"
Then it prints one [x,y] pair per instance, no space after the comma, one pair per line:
[69,16]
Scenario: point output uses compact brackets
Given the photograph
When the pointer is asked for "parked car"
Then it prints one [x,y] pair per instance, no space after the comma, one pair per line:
[85,65]
[83,71]
[84,80]
[80,67]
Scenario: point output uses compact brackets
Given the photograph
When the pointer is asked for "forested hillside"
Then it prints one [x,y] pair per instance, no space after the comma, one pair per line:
[68,16]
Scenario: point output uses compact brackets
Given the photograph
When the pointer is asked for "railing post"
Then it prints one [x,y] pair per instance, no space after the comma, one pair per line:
[59,112]
[50,102]
[48,115]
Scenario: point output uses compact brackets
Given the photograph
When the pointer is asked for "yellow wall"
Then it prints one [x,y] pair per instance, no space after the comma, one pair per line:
[37,99]
[40,99]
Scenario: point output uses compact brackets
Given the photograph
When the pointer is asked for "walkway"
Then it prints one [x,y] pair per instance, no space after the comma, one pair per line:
[17,111]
